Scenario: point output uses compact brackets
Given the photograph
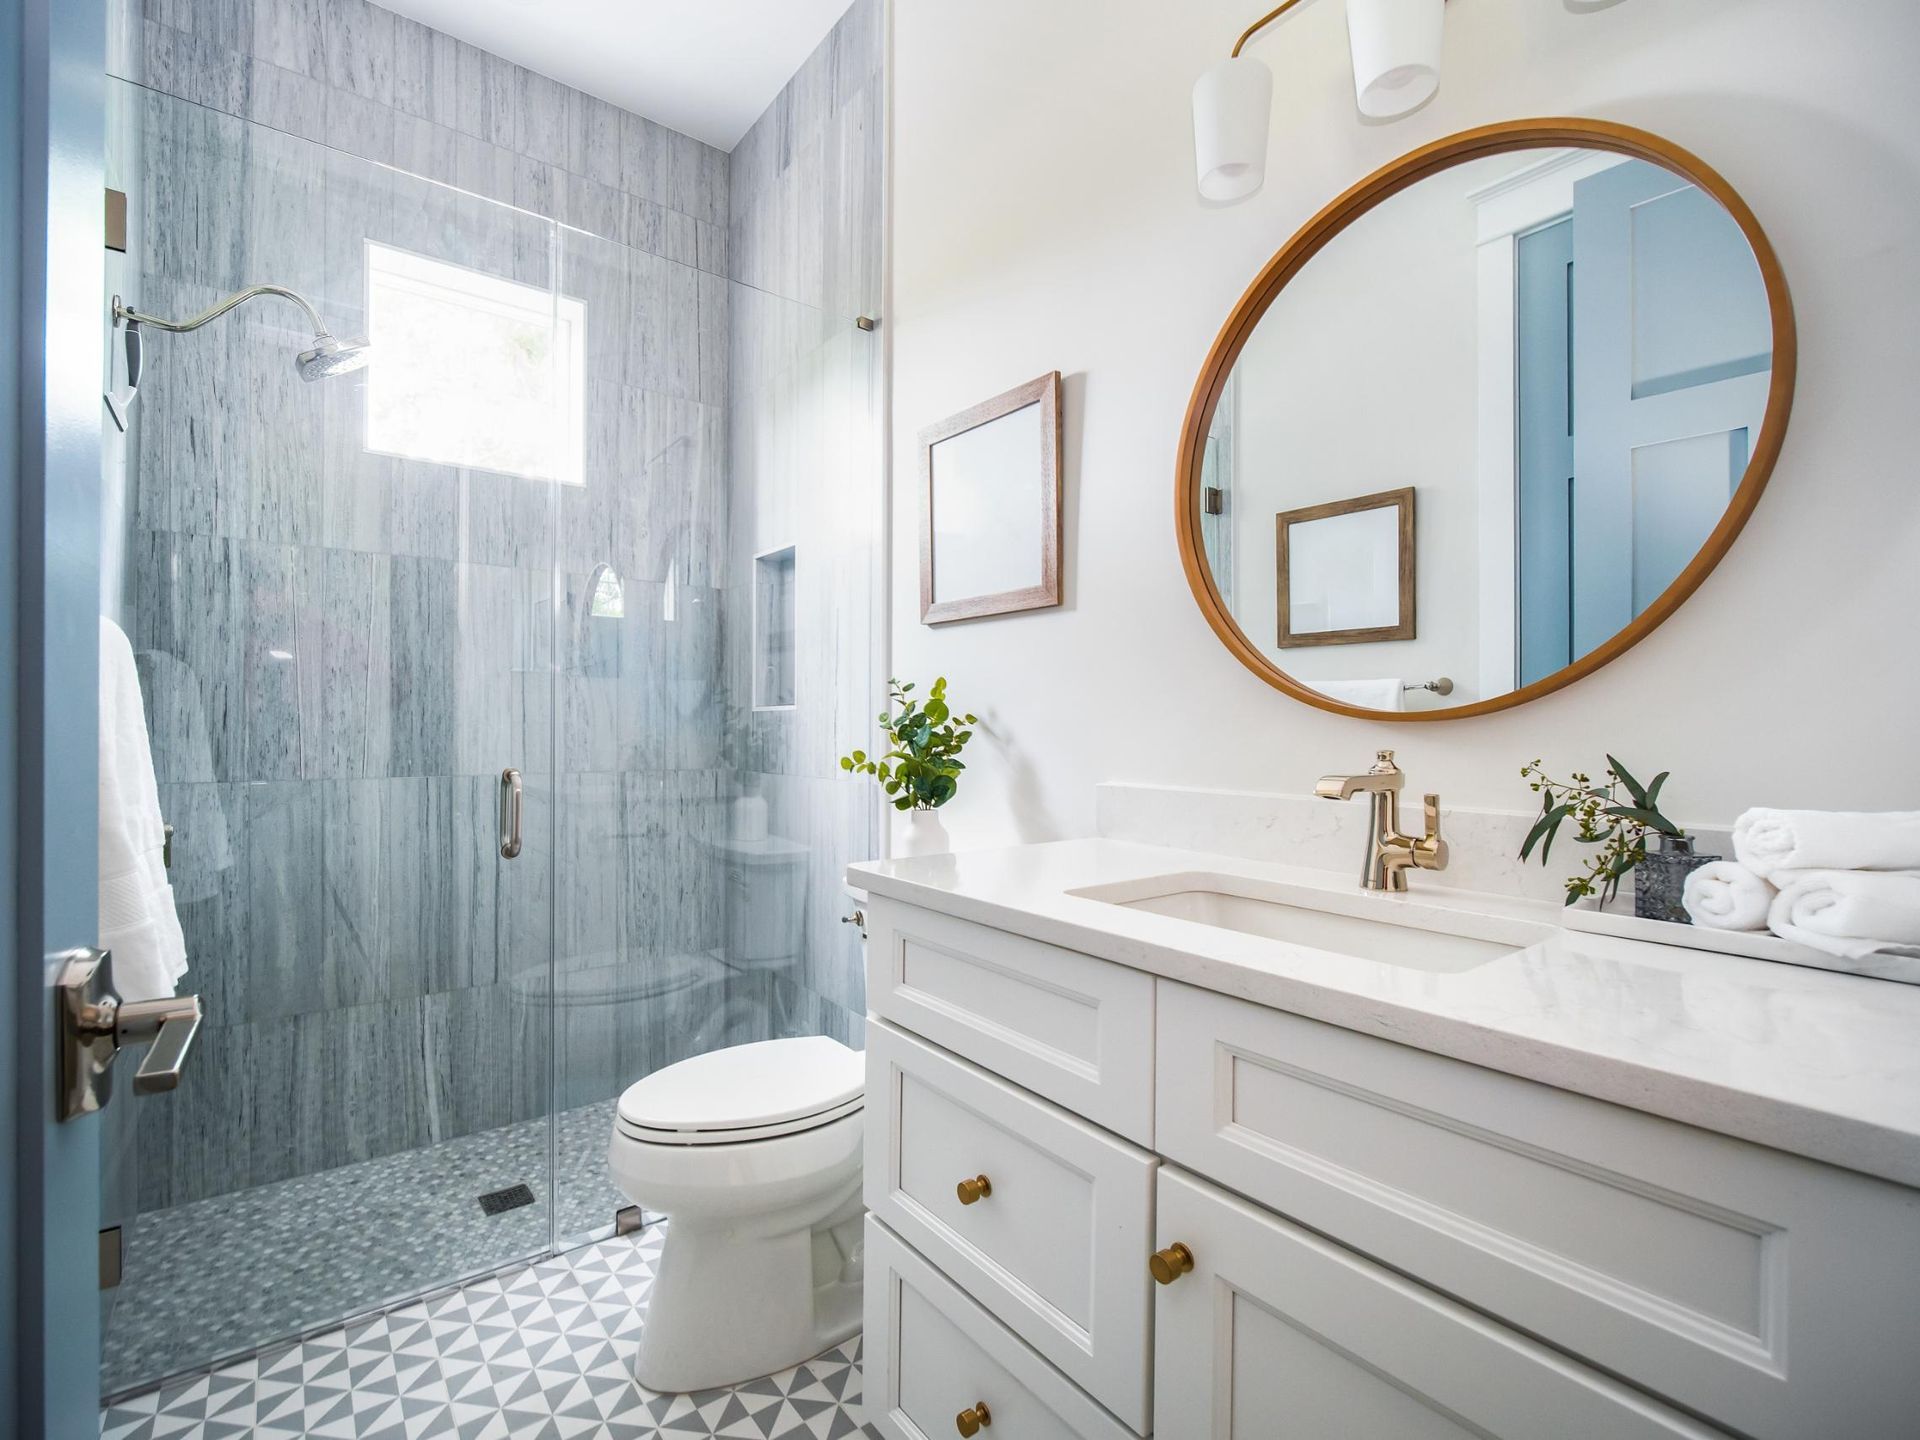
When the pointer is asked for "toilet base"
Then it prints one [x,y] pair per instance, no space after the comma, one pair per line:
[737,1300]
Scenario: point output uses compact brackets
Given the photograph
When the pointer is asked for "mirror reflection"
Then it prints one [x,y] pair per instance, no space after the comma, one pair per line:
[1485,427]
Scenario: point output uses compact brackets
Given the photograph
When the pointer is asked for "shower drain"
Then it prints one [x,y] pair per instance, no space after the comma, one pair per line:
[511,1198]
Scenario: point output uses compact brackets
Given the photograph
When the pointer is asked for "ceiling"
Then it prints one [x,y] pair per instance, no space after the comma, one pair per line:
[706,68]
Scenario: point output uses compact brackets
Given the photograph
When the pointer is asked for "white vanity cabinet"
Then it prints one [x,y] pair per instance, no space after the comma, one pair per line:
[1075,1030]
[1741,1282]
[1384,1242]
[1277,1332]
[1059,1219]
[947,1356]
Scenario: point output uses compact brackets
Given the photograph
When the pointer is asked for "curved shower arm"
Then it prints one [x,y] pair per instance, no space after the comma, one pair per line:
[126,312]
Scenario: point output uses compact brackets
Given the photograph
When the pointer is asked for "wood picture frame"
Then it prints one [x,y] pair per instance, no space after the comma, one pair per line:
[983,515]
[1503,138]
[1403,627]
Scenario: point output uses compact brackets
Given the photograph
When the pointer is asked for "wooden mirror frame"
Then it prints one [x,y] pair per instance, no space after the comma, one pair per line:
[1389,180]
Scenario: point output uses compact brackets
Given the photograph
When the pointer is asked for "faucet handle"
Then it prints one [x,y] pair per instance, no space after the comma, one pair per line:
[1383,763]
[1431,844]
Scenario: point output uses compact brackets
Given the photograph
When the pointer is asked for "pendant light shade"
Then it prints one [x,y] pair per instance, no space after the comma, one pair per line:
[1232,112]
[1396,53]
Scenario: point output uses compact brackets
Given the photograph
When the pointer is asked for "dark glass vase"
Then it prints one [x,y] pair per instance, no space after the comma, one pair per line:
[1660,880]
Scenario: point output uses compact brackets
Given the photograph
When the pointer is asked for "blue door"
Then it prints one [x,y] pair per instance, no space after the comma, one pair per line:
[1672,354]
[52,62]
[1543,434]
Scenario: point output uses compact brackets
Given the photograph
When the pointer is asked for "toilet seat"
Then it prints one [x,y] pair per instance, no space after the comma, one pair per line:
[747,1092]
[648,1135]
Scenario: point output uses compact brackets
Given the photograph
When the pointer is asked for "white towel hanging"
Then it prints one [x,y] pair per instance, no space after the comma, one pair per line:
[138,922]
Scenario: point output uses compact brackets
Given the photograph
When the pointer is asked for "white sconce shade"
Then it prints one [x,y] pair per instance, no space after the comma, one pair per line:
[1396,53]
[1232,112]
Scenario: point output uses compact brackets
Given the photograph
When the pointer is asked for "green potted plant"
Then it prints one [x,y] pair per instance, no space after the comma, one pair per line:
[921,768]
[1620,816]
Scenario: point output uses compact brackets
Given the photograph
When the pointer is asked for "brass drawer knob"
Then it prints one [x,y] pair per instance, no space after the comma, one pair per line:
[973,1419]
[978,1188]
[1170,1264]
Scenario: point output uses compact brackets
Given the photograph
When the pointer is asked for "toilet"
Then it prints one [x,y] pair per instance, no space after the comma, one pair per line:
[753,1155]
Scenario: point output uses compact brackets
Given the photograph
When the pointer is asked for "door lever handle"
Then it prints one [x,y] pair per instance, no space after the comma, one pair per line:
[170,1025]
[95,1023]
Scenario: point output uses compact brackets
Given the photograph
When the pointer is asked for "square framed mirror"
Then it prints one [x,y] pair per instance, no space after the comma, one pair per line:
[1345,571]
[990,506]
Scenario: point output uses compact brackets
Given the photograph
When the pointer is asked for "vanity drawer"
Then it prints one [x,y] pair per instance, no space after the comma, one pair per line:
[1279,1332]
[1752,1286]
[930,1353]
[1067,1026]
[1057,1247]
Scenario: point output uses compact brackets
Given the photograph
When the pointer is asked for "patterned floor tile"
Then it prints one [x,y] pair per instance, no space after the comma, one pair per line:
[547,1350]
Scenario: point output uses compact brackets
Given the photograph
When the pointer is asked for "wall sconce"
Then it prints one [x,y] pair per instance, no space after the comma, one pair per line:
[1395,46]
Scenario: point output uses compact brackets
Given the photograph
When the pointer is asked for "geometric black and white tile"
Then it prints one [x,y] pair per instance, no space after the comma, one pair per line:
[544,1351]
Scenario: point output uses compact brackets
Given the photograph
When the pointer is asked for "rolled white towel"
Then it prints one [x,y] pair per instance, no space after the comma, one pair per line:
[1849,913]
[1768,840]
[1725,895]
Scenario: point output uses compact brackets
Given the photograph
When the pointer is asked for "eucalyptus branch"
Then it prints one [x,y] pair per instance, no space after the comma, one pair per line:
[1603,815]
[921,768]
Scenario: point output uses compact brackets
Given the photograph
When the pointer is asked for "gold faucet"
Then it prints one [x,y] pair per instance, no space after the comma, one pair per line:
[1390,854]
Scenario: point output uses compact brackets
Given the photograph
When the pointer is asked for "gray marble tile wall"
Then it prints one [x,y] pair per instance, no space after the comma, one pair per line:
[805,219]
[383,87]
[804,244]
[341,649]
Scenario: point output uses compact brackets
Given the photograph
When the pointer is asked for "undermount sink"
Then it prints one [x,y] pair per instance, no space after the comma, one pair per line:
[1419,937]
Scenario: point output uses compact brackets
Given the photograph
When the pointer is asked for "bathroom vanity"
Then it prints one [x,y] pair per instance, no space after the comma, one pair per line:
[1161,1143]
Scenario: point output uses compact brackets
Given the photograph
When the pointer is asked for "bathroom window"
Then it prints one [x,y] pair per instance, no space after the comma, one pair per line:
[473,370]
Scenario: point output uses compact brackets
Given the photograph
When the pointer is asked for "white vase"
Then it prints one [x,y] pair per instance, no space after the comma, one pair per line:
[922,834]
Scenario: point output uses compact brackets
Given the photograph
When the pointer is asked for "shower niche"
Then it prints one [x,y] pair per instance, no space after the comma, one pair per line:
[773,629]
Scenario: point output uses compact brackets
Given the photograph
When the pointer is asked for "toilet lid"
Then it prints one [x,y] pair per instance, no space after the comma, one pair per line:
[769,1086]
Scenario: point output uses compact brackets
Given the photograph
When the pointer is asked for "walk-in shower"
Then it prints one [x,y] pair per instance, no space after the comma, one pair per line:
[520,538]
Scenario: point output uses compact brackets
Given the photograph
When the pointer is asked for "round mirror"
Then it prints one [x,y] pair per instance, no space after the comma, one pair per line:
[1486,421]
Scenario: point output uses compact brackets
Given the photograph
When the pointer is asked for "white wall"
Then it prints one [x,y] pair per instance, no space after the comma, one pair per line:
[1362,377]
[1045,217]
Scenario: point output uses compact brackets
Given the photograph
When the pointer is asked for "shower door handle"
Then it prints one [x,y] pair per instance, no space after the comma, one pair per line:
[510,807]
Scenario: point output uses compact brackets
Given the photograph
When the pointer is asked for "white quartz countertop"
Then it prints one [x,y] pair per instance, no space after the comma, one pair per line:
[1807,1061]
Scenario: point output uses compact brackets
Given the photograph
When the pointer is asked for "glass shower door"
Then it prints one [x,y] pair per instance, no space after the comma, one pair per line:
[341,597]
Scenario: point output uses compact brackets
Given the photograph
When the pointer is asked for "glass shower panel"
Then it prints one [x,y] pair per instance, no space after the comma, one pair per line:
[639,979]
[704,830]
[341,595]
[805,440]
[805,540]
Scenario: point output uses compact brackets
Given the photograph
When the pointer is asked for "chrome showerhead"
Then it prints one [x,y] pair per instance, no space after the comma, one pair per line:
[331,356]
[327,356]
